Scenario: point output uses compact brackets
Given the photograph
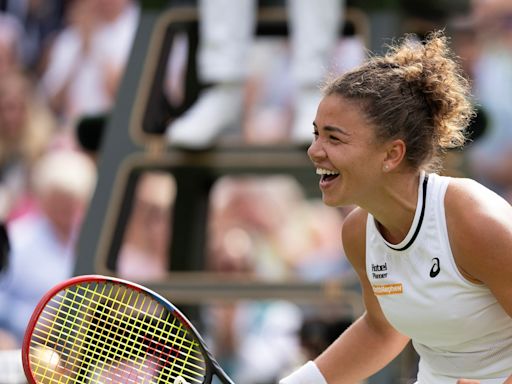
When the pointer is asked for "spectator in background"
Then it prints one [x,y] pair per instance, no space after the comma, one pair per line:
[244,237]
[87,59]
[27,127]
[245,240]
[42,242]
[11,35]
[490,159]
[72,80]
[225,35]
[119,21]
[144,253]
[40,19]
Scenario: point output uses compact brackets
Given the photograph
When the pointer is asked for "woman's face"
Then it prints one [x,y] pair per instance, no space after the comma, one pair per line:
[345,153]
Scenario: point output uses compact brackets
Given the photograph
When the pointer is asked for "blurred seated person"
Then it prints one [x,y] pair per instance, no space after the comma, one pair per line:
[490,159]
[144,253]
[26,128]
[226,35]
[87,57]
[11,34]
[43,241]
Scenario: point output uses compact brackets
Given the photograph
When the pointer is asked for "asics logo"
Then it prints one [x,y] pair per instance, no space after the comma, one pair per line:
[434,271]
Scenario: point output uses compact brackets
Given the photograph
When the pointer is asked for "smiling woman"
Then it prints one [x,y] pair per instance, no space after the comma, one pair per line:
[380,133]
[342,149]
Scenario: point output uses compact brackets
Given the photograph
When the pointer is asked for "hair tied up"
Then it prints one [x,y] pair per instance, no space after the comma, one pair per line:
[388,65]
[416,91]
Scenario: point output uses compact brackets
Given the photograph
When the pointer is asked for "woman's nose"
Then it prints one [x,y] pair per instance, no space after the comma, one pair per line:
[316,151]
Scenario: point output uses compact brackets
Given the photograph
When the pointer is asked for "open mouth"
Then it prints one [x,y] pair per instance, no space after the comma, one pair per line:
[326,175]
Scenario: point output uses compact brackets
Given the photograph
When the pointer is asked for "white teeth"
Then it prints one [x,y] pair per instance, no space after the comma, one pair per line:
[321,171]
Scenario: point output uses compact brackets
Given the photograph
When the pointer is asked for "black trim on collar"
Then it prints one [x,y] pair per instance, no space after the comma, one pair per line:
[420,221]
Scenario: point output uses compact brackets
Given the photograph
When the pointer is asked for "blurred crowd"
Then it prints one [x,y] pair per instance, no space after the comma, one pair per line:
[61,60]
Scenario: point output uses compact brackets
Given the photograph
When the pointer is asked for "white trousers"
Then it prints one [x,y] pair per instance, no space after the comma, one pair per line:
[227,30]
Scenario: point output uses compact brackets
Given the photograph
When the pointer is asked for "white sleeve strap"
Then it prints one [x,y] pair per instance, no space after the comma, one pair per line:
[307,374]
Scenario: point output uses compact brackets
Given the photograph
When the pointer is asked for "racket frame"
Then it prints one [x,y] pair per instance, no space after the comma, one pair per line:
[211,365]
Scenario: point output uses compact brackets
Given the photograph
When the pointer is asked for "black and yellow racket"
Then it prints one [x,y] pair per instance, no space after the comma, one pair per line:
[97,329]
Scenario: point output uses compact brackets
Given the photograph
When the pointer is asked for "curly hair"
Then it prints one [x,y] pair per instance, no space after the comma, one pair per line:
[416,92]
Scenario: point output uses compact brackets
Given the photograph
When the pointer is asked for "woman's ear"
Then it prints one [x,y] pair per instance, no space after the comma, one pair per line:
[395,153]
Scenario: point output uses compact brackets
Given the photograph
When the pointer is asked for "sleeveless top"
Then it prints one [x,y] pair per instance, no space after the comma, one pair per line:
[457,327]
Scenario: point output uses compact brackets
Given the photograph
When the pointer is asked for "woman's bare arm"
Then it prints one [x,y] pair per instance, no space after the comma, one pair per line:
[371,342]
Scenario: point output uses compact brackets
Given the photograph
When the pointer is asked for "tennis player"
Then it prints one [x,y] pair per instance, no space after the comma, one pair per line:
[433,253]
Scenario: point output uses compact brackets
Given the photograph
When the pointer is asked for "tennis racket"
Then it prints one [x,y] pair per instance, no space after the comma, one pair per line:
[97,329]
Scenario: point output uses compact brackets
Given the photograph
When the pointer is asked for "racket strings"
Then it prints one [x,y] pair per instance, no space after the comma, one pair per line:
[102,332]
[102,329]
[110,332]
[163,353]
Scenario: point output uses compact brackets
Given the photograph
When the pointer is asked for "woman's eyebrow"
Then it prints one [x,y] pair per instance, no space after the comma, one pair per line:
[330,128]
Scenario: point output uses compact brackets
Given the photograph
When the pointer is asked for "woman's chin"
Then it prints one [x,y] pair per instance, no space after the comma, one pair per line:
[331,201]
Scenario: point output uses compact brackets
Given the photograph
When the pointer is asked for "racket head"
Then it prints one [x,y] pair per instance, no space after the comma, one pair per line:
[102,329]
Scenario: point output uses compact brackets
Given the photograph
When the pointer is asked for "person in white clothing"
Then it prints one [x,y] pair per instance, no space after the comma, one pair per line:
[43,240]
[88,57]
[432,252]
[226,33]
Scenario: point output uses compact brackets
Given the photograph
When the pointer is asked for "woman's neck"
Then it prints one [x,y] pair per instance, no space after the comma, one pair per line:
[395,206]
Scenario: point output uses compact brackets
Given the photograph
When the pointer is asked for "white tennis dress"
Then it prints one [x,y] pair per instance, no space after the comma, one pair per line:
[457,327]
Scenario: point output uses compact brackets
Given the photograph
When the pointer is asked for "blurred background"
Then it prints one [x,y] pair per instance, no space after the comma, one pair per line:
[148,140]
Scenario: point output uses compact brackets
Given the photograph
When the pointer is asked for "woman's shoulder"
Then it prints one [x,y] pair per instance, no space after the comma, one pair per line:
[466,198]
[479,225]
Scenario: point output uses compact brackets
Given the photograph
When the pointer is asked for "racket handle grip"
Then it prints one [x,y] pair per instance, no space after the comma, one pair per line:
[307,374]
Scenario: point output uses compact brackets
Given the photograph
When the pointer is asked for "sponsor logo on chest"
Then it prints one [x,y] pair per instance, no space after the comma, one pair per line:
[380,271]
